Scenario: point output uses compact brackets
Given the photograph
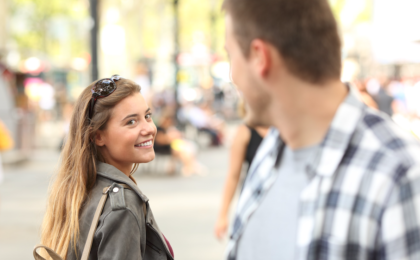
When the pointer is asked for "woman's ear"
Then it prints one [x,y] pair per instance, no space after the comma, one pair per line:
[99,138]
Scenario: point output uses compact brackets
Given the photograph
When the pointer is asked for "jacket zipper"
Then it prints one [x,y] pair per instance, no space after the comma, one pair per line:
[152,246]
[166,247]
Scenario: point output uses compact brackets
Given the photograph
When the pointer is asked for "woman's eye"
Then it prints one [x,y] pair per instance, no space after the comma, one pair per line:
[148,116]
[131,122]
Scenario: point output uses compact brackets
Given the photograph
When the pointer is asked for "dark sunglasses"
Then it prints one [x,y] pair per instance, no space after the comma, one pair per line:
[102,88]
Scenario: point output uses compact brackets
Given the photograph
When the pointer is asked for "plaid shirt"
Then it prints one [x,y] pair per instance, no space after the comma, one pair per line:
[363,196]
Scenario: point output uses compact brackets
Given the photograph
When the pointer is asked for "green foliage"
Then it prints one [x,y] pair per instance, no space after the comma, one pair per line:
[145,24]
[364,16]
[151,22]
[39,17]
[201,16]
[337,6]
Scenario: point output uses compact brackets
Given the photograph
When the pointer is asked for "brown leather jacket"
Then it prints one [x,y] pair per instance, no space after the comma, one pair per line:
[124,231]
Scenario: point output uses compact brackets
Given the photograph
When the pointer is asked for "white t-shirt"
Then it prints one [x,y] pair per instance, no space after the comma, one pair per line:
[270,233]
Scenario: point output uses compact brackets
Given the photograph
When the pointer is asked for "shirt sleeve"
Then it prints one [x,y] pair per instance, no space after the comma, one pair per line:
[400,227]
[119,237]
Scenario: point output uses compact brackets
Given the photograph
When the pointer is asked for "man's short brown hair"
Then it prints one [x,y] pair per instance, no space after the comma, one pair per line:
[303,31]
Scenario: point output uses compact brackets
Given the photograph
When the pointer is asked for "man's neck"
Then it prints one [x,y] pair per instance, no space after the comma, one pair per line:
[304,112]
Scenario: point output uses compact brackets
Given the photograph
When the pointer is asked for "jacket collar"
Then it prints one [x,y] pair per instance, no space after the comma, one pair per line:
[110,172]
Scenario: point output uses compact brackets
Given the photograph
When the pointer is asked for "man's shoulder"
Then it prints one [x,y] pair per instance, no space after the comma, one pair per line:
[385,146]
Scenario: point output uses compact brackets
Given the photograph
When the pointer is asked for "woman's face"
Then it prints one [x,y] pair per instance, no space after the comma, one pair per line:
[129,134]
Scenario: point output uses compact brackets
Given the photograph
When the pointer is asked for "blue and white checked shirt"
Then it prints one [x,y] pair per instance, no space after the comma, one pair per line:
[363,197]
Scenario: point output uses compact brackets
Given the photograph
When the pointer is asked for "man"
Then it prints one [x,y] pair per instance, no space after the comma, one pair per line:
[342,182]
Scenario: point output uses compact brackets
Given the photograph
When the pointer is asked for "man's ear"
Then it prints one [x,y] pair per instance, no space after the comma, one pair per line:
[99,138]
[260,56]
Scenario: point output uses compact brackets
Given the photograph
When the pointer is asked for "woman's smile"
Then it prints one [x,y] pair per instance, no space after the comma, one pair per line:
[145,144]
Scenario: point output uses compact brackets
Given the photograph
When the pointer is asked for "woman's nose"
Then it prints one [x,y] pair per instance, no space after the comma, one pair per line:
[148,128]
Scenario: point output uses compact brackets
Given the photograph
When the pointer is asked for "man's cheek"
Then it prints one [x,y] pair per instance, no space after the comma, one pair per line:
[237,77]
[234,81]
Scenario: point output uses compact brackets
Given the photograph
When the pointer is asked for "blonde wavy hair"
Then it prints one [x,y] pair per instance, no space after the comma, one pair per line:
[77,172]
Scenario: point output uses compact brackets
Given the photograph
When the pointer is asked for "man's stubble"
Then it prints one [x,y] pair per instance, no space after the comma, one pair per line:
[258,114]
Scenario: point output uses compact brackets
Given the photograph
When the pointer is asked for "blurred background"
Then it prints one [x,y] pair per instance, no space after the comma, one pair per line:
[51,49]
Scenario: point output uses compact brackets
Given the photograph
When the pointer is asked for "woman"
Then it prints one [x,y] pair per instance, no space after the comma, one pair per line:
[244,148]
[6,143]
[111,132]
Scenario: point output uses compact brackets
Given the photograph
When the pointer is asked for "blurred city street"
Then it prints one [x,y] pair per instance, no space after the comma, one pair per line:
[175,52]
[185,208]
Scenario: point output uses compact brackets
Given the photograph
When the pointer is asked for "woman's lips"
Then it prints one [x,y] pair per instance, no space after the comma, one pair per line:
[148,143]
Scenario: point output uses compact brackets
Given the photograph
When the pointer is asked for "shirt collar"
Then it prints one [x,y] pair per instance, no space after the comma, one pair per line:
[337,139]
[268,147]
[110,172]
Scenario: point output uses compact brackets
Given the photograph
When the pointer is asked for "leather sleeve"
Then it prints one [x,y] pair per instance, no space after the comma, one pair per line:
[118,237]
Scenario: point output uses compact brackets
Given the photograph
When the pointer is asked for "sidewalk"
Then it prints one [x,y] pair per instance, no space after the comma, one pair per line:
[13,157]
[185,208]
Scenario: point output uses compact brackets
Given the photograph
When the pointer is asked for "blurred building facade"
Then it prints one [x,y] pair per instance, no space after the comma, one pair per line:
[46,46]
[379,38]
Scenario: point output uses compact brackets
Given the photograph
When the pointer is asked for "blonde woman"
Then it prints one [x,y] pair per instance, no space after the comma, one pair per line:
[111,132]
[243,149]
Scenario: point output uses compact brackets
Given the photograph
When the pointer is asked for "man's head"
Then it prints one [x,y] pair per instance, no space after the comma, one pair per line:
[267,38]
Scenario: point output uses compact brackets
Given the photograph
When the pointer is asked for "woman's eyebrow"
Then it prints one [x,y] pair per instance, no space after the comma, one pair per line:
[132,115]
[148,110]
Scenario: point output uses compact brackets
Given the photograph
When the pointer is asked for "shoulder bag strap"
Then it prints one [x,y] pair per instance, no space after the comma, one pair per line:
[89,241]
[88,245]
[98,212]
[95,220]
[53,255]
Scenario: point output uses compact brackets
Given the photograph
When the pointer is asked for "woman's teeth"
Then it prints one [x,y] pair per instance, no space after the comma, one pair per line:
[148,143]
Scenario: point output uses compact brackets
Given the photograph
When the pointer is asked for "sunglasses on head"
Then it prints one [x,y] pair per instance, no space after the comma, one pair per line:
[102,88]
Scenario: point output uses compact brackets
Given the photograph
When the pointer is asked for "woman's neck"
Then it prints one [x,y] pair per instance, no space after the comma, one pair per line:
[125,168]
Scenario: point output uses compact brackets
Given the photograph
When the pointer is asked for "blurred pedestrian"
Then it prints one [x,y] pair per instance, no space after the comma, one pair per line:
[111,132]
[333,178]
[170,141]
[6,143]
[364,94]
[203,118]
[379,93]
[243,149]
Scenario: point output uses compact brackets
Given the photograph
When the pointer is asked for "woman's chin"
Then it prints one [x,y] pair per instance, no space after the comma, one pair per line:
[146,158]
